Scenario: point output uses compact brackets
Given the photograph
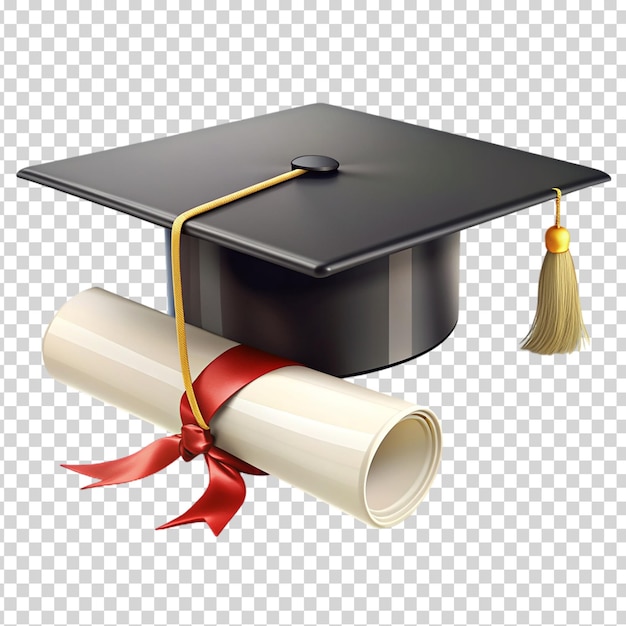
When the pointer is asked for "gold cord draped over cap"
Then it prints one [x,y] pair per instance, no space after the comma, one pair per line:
[179,312]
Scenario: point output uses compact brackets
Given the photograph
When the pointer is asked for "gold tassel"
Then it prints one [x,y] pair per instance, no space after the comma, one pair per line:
[558,326]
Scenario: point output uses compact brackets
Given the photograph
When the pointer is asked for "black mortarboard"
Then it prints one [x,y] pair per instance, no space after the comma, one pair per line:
[346,270]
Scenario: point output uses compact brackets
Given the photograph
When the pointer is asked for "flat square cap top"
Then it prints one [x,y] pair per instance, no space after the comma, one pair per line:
[397,185]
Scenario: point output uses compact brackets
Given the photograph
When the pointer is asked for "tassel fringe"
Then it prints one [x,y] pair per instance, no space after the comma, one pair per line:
[558,326]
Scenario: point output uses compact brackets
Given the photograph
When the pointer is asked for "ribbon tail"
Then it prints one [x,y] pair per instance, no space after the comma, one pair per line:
[221,500]
[149,460]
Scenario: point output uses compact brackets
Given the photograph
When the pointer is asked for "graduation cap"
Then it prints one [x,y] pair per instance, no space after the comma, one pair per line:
[349,260]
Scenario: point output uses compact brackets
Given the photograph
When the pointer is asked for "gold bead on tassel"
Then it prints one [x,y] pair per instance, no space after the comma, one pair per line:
[558,326]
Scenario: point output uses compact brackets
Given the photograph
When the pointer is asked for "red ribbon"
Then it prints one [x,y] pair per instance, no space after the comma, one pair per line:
[217,383]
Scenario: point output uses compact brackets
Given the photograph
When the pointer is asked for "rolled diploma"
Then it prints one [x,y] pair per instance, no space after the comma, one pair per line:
[366,453]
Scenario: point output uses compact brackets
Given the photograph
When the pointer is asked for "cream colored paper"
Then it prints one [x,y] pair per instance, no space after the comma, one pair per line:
[366,453]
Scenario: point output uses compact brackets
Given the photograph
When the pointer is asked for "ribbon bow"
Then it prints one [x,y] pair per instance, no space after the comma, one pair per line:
[218,382]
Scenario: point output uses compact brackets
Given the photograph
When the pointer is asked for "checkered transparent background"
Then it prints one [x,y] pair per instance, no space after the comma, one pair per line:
[525,523]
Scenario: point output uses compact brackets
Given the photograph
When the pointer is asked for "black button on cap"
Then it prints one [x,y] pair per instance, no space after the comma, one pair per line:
[315,163]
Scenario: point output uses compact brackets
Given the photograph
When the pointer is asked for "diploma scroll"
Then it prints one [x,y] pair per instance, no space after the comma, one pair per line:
[369,454]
